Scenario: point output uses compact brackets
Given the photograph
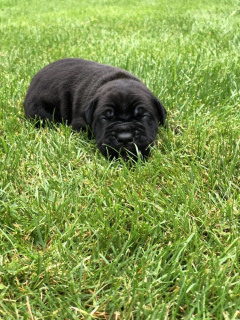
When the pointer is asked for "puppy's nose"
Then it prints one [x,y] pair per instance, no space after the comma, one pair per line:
[125,137]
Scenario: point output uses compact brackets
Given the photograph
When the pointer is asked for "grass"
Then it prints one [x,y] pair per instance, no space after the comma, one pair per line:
[85,238]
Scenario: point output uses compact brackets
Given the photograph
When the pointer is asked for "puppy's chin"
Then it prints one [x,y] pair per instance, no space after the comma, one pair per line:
[129,152]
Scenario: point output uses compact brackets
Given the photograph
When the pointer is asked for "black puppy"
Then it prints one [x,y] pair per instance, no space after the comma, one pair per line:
[120,110]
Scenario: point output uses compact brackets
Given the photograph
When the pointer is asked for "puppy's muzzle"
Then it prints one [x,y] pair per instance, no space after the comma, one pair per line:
[125,138]
[124,134]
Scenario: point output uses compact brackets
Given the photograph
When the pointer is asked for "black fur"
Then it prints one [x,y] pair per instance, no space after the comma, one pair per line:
[120,110]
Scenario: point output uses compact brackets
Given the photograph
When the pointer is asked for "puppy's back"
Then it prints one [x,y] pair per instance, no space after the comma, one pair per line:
[54,88]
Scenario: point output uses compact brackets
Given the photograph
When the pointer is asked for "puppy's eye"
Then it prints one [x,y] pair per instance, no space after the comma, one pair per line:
[109,113]
[139,113]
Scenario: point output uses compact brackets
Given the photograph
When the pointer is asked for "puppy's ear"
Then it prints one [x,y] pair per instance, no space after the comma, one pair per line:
[162,113]
[90,110]
[84,119]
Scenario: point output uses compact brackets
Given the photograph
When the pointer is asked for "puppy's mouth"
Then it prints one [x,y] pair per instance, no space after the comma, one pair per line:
[126,140]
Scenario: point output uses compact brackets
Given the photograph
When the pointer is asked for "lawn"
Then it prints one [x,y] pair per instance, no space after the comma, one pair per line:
[82,237]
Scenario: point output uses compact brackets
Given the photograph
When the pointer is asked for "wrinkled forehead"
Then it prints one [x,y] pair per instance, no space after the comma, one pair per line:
[126,98]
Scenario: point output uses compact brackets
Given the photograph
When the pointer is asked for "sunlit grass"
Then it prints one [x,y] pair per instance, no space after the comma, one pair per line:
[85,238]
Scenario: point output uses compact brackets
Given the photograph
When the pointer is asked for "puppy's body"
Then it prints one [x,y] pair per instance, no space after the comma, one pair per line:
[121,111]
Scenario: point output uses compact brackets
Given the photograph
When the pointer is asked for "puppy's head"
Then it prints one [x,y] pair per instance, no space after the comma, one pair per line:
[124,118]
